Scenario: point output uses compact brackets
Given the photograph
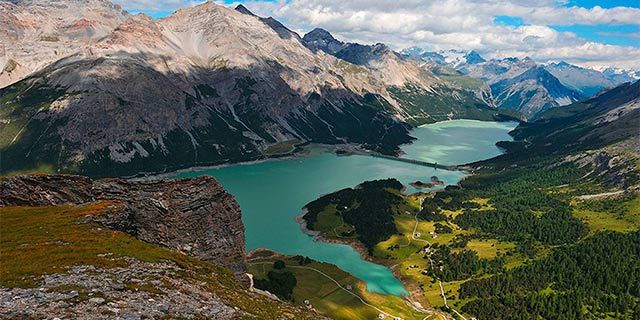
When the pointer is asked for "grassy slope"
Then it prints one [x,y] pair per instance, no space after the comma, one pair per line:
[511,188]
[403,251]
[31,246]
[327,297]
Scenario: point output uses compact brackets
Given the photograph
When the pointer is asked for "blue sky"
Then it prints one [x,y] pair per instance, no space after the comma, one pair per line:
[587,32]
[615,34]
[603,3]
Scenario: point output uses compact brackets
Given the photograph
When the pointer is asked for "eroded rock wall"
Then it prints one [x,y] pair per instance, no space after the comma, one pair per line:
[196,216]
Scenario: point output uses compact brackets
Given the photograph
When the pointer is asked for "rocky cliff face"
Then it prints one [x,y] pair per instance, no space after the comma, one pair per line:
[195,216]
[35,33]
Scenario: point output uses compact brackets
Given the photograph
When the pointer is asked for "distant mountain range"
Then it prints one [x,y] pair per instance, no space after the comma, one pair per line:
[525,85]
[453,58]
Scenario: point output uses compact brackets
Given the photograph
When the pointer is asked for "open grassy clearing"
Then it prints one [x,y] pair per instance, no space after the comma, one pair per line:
[405,252]
[465,82]
[325,296]
[489,248]
[616,213]
[598,221]
[282,147]
[40,169]
[404,249]
[332,226]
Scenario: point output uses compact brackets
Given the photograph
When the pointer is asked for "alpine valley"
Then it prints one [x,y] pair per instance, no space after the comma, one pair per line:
[216,164]
[226,86]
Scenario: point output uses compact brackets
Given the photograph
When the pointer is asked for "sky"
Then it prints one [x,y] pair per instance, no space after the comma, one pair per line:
[584,32]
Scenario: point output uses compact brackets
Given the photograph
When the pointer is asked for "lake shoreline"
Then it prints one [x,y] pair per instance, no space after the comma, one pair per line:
[279,187]
[354,244]
[299,151]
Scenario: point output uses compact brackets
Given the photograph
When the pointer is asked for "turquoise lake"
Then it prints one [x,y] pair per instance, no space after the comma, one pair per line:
[272,193]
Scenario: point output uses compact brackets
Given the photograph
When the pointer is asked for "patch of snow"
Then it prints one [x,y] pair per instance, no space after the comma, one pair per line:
[563,101]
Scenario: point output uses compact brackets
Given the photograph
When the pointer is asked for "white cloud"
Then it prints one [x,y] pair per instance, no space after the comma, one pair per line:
[463,24]
[446,24]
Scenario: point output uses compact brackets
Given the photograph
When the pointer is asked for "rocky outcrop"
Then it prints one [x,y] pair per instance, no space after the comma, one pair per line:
[196,216]
[109,293]
[615,165]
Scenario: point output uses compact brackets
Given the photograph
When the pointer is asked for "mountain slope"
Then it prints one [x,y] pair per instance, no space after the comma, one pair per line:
[209,85]
[34,33]
[532,92]
[586,81]
[424,94]
[515,84]
[386,64]
[224,86]
[603,120]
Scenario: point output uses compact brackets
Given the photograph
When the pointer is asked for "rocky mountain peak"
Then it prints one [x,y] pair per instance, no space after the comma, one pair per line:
[318,34]
[320,39]
[413,51]
[242,9]
[36,33]
[472,57]
[279,28]
[139,31]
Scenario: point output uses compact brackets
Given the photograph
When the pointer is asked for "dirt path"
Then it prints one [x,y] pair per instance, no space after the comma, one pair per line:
[444,297]
[599,195]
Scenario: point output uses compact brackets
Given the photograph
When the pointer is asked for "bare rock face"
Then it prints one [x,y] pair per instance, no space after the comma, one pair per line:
[196,216]
[45,190]
[35,33]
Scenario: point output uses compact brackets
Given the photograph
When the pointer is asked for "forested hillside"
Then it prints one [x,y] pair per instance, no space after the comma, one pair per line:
[549,230]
